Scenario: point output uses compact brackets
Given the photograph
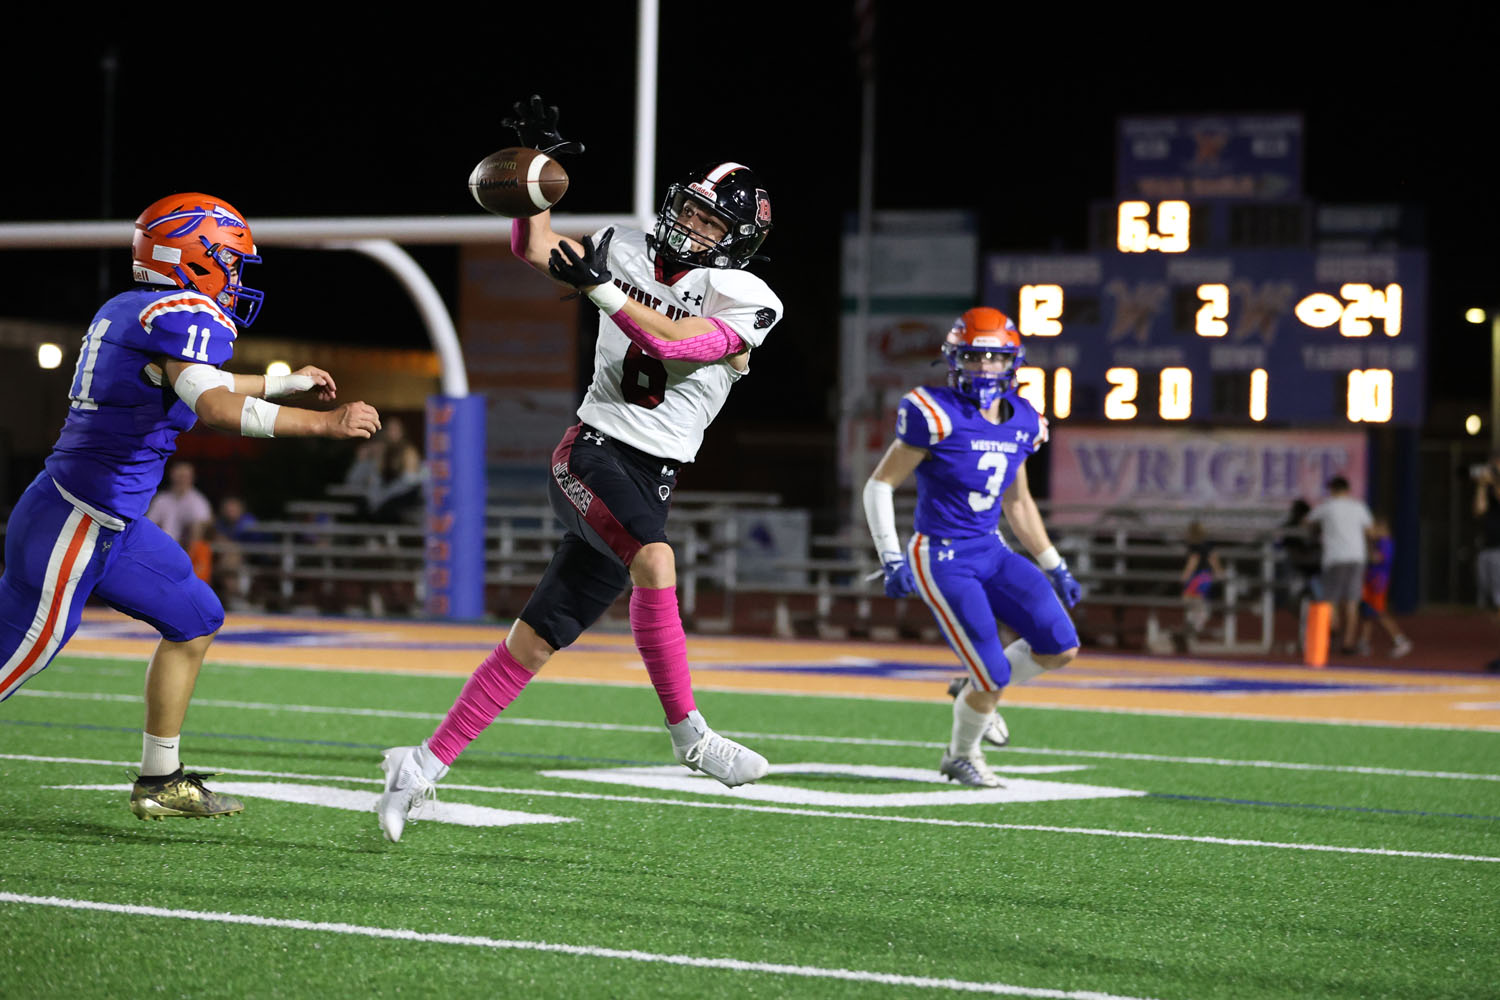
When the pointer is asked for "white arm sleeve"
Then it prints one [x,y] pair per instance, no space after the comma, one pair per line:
[195,380]
[880,511]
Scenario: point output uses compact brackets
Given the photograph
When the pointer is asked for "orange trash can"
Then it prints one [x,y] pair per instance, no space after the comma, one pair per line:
[1315,638]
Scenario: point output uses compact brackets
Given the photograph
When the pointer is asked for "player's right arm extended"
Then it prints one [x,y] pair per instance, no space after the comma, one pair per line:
[209,393]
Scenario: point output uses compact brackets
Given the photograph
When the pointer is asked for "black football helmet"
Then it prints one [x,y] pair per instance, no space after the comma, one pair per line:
[730,191]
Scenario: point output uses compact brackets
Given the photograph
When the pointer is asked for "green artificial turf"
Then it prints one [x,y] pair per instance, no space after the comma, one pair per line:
[1041,896]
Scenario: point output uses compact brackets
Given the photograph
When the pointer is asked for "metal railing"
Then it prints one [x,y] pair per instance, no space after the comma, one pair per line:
[320,561]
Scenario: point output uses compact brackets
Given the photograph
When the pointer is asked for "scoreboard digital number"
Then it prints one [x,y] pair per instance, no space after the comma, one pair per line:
[1162,332]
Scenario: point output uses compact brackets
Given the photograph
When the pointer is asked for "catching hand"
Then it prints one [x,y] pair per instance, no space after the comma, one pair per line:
[1069,591]
[582,272]
[898,579]
[535,125]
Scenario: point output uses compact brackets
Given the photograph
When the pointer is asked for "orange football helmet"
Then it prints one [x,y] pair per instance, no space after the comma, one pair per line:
[983,334]
[199,242]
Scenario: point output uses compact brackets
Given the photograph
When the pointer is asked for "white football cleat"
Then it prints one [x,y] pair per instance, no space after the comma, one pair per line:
[406,786]
[972,771]
[700,748]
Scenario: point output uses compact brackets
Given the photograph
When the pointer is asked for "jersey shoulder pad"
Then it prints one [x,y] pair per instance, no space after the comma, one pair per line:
[924,417]
[742,300]
[187,326]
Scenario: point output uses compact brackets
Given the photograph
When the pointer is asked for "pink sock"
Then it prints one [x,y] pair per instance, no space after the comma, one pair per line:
[492,686]
[657,626]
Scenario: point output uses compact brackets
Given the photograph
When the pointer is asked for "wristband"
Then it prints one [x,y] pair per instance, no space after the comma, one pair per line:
[285,385]
[258,418]
[1049,560]
[608,298]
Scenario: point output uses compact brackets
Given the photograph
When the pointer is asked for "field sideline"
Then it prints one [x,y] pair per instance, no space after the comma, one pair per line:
[1167,829]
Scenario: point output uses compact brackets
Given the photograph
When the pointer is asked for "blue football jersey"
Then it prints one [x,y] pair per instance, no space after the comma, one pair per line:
[121,426]
[971,461]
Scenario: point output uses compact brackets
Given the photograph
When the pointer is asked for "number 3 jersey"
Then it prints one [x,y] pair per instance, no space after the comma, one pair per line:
[663,407]
[122,421]
[970,462]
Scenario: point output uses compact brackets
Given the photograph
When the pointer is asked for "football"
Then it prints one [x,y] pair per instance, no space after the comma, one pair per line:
[518,182]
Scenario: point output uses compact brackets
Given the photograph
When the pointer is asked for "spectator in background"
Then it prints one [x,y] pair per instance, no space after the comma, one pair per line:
[1198,575]
[1487,565]
[1301,555]
[393,478]
[180,510]
[1377,584]
[1344,524]
[364,472]
[235,523]
[235,526]
[1298,567]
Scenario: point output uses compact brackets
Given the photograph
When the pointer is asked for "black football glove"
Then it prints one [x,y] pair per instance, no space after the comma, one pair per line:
[582,272]
[536,127]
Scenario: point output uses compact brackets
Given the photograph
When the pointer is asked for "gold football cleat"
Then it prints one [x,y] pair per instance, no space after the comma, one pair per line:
[180,794]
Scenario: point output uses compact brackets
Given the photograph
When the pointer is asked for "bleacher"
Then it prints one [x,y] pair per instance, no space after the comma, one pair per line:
[319,558]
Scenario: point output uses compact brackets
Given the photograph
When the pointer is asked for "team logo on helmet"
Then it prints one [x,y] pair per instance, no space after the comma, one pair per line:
[762,207]
[193,217]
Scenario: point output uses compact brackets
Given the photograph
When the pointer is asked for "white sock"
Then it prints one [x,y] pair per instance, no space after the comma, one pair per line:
[968,727]
[159,754]
[1023,666]
[432,768]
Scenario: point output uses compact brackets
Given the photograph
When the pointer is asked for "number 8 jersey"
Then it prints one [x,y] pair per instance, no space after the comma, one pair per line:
[663,407]
[971,461]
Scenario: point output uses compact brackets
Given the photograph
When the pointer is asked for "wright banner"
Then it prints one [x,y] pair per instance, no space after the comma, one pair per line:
[1176,471]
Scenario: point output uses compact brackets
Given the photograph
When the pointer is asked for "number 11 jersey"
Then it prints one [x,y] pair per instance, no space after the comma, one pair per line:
[663,407]
[971,462]
[123,419]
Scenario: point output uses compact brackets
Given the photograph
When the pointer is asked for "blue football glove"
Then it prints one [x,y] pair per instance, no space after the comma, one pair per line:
[898,579]
[1069,591]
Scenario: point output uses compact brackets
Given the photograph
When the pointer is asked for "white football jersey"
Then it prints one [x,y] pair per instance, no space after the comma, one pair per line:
[663,407]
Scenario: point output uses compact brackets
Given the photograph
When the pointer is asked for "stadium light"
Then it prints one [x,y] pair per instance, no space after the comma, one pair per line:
[48,355]
[278,368]
[1475,316]
[1473,424]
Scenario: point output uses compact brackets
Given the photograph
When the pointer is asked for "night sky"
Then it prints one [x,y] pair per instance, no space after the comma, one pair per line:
[1011,118]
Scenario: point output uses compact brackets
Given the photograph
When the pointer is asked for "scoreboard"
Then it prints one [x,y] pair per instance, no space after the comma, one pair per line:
[1158,330]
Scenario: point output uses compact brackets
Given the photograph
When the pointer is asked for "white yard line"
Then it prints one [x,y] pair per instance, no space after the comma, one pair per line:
[581,951]
[824,813]
[383,713]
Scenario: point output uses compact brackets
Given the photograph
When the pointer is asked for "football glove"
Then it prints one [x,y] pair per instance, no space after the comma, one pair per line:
[1069,591]
[582,272]
[536,126]
[898,579]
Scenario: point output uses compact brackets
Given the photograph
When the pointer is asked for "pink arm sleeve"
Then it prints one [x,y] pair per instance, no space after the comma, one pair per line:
[519,230]
[714,345]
